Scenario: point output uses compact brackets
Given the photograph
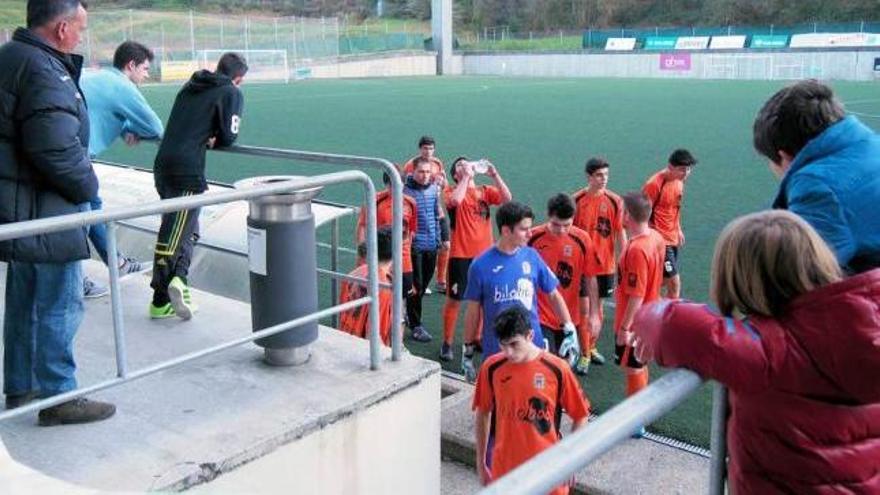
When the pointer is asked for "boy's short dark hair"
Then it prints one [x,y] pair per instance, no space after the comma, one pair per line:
[512,213]
[383,243]
[455,165]
[129,51]
[561,206]
[425,140]
[512,321]
[682,158]
[594,164]
[637,206]
[42,12]
[232,65]
[793,116]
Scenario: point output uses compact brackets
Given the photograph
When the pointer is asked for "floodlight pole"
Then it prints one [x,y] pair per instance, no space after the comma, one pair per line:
[441,29]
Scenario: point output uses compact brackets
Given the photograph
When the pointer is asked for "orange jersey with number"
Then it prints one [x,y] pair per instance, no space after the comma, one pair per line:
[572,258]
[526,401]
[437,168]
[385,216]
[600,216]
[640,272]
[471,220]
[665,196]
[357,321]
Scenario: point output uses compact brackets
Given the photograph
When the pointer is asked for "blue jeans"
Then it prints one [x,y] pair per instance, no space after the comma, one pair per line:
[98,232]
[43,311]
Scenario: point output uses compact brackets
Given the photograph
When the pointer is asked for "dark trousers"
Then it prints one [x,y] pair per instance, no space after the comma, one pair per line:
[423,263]
[178,234]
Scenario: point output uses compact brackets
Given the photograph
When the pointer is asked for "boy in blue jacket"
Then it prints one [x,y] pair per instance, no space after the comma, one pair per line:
[829,163]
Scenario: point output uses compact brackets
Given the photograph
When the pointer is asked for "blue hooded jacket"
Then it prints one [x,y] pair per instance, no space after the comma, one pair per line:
[834,184]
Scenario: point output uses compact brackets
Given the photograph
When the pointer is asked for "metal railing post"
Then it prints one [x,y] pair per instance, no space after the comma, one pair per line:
[334,265]
[718,442]
[116,301]
[373,275]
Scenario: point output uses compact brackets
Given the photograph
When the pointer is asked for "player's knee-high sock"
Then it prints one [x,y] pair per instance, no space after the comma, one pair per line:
[595,340]
[450,318]
[636,380]
[585,338]
[442,266]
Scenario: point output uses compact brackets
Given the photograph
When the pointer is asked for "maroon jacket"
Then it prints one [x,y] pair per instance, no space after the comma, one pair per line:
[804,387]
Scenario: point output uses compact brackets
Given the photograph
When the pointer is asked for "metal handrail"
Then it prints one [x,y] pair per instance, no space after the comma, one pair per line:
[396,222]
[556,465]
[111,216]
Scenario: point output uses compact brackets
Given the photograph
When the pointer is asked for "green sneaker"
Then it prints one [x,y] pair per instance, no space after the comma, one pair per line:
[161,312]
[582,366]
[181,300]
[596,357]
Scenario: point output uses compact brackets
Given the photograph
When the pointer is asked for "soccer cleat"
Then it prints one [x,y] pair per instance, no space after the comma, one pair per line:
[582,366]
[596,357]
[428,291]
[639,433]
[440,288]
[161,312]
[446,352]
[92,289]
[180,297]
[419,334]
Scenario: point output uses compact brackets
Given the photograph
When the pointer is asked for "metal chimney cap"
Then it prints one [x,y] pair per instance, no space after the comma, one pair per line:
[297,196]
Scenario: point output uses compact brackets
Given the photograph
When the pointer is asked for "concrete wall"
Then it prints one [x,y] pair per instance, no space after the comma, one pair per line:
[378,451]
[838,64]
[409,64]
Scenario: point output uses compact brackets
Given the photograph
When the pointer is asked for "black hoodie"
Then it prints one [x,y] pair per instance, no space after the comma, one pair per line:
[209,105]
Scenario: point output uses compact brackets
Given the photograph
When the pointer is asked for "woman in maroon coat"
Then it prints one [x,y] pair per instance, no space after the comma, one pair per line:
[798,347]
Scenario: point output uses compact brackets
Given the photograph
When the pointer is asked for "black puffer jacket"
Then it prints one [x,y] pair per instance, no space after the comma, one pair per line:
[44,135]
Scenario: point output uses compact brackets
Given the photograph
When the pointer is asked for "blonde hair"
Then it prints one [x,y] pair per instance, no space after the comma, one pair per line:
[764,260]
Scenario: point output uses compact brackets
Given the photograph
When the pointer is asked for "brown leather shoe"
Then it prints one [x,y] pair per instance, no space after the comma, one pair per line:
[79,410]
[18,400]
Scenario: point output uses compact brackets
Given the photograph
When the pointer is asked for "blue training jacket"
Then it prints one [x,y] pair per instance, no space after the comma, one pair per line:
[834,184]
[116,106]
[427,236]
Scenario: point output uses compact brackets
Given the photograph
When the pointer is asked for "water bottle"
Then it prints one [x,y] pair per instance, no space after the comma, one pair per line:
[481,166]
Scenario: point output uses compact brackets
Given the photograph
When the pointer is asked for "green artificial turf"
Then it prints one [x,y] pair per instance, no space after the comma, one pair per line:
[539,132]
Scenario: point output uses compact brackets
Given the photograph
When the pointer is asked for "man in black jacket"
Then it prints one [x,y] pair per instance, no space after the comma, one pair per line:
[44,172]
[206,114]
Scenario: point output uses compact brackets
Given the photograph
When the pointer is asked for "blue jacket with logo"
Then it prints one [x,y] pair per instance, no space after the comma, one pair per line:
[427,236]
[834,184]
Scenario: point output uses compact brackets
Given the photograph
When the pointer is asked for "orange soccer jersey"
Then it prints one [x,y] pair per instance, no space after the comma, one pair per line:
[437,169]
[526,402]
[471,220]
[665,195]
[357,321]
[385,216]
[640,272]
[601,216]
[573,260]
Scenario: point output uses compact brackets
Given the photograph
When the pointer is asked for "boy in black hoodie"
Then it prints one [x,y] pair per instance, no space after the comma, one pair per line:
[206,114]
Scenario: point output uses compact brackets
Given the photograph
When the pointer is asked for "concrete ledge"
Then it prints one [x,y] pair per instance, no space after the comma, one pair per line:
[634,467]
[186,426]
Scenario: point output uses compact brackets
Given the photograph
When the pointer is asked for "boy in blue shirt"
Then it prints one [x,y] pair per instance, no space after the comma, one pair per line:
[118,109]
[509,273]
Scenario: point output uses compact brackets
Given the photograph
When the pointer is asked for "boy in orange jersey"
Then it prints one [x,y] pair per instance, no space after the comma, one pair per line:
[665,191]
[357,321]
[522,391]
[569,252]
[384,217]
[468,207]
[599,212]
[640,275]
[427,148]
